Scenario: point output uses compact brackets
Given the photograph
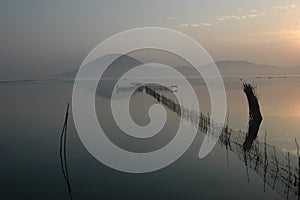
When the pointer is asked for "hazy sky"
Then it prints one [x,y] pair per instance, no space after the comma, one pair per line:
[39,37]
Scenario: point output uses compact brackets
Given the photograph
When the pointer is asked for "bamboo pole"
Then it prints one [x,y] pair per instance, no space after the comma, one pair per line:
[63,152]
[298,168]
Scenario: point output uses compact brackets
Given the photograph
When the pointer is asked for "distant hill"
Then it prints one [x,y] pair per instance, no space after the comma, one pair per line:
[122,64]
[244,68]
[226,67]
[248,68]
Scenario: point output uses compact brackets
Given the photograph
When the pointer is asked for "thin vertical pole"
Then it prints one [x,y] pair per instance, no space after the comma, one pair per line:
[63,152]
[266,162]
[277,167]
[298,168]
[289,176]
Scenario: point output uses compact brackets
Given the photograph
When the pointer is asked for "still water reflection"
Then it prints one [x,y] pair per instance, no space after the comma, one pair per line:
[31,119]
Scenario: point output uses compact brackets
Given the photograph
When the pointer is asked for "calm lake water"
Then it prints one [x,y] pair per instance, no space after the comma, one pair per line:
[32,115]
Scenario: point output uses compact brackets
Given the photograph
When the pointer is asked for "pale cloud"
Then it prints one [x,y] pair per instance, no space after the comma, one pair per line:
[250,16]
[254,15]
[286,7]
[228,17]
[195,25]
[184,25]
[206,24]
[243,15]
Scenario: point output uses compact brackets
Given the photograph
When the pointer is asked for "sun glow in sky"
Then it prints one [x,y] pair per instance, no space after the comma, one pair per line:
[268,33]
[47,36]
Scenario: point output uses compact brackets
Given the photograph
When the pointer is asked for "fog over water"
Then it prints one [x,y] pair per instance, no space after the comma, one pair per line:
[32,116]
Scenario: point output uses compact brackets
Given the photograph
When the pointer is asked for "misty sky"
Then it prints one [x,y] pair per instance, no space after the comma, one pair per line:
[40,38]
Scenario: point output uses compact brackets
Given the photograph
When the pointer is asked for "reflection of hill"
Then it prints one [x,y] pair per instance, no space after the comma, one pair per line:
[109,77]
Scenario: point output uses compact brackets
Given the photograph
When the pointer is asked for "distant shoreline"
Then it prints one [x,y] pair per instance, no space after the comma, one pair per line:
[189,77]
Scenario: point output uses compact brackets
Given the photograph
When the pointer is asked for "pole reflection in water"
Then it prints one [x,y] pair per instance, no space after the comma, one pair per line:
[278,169]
